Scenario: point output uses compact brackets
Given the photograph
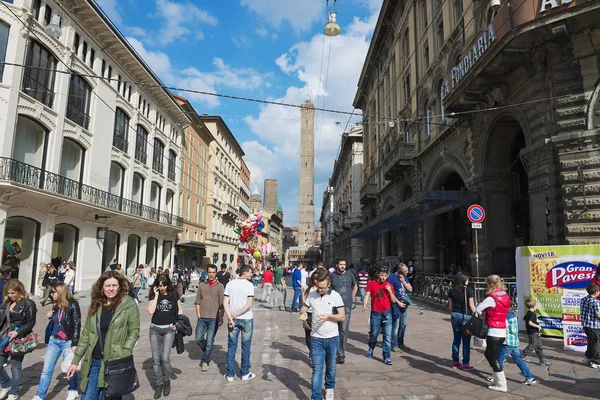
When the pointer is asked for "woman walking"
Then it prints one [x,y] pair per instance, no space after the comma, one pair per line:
[17,311]
[136,281]
[496,306]
[40,280]
[65,320]
[460,300]
[50,279]
[164,306]
[119,320]
[69,279]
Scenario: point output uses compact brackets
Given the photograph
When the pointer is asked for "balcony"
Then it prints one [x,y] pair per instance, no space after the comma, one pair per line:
[28,175]
[369,189]
[231,211]
[38,91]
[120,143]
[141,156]
[397,156]
[353,220]
[157,165]
[171,171]
[78,116]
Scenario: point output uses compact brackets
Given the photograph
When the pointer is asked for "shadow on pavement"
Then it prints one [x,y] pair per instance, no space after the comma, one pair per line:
[292,380]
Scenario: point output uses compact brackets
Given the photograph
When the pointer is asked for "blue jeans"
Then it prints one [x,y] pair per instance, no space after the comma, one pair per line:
[297,298]
[206,327]
[381,320]
[362,292]
[136,292]
[92,392]
[458,323]
[323,353]
[399,328]
[246,327]
[56,348]
[515,353]
[16,366]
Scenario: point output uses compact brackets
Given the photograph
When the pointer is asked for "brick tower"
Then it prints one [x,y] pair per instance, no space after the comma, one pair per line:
[270,192]
[306,210]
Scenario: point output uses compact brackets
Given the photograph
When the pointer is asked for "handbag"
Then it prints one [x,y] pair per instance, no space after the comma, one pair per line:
[120,375]
[22,345]
[476,326]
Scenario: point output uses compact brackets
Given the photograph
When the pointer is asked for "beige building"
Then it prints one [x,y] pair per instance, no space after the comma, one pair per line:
[225,163]
[466,104]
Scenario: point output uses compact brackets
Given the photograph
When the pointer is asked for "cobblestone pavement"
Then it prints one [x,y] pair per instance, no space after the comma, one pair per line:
[279,359]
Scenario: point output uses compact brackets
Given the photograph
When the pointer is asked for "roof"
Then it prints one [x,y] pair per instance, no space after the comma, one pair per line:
[255,191]
[217,119]
[279,207]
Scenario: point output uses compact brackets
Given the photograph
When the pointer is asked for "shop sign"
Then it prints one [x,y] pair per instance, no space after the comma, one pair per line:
[552,4]
[571,275]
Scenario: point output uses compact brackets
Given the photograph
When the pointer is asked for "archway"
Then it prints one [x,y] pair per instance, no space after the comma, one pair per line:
[133,252]
[20,249]
[64,244]
[506,196]
[389,248]
[151,251]
[110,249]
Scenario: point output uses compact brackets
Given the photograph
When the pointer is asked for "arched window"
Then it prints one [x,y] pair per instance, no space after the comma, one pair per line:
[71,160]
[30,142]
[137,188]
[427,117]
[172,164]
[158,155]
[155,195]
[78,107]
[405,46]
[4,30]
[442,95]
[141,144]
[115,183]
[121,128]
[40,73]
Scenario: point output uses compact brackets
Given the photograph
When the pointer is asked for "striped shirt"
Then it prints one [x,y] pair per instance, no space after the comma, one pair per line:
[363,278]
[512,330]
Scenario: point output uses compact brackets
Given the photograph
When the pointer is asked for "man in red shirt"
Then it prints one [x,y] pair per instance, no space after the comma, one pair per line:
[267,285]
[382,293]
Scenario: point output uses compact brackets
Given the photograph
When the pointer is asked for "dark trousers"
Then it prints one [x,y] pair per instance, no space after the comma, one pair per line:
[593,348]
[492,352]
[535,344]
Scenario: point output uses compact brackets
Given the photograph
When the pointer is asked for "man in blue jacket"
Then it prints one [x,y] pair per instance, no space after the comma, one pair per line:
[297,285]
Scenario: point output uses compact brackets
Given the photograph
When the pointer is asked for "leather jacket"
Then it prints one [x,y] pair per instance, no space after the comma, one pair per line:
[22,315]
[50,278]
[71,322]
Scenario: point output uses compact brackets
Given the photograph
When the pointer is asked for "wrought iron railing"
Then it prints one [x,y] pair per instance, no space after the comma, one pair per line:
[171,171]
[38,91]
[157,165]
[78,116]
[141,156]
[28,175]
[120,143]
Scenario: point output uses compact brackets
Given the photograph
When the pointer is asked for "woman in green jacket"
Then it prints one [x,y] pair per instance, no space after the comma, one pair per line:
[119,319]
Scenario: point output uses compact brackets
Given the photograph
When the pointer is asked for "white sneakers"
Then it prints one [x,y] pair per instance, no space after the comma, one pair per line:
[12,397]
[248,376]
[4,392]
[328,394]
[73,395]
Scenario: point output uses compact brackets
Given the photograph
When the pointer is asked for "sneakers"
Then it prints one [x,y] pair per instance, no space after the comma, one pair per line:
[529,381]
[396,349]
[229,378]
[594,365]
[340,360]
[370,353]
[387,361]
[466,367]
[204,367]
[456,365]
[248,376]
[328,394]
[36,397]
[73,395]
[4,392]
[13,397]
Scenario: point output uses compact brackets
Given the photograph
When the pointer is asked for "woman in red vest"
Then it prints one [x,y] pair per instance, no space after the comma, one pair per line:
[496,306]
[596,279]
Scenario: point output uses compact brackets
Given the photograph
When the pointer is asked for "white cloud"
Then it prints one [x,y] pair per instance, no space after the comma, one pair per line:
[110,8]
[158,61]
[298,14]
[262,32]
[181,20]
[241,42]
[278,128]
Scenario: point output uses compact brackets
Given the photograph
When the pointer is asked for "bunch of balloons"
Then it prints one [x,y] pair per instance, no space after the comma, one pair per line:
[248,231]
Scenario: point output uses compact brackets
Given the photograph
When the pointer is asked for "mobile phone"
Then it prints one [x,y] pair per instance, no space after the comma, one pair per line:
[61,335]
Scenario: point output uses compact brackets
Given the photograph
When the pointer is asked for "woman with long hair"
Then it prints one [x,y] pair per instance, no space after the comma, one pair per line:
[69,279]
[460,300]
[496,306]
[65,319]
[17,311]
[40,279]
[50,278]
[164,306]
[119,319]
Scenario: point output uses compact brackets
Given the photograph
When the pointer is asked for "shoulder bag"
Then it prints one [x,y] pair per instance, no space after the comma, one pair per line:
[23,345]
[476,325]
[120,376]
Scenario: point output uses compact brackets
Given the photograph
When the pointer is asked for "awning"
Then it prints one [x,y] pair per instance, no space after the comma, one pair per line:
[421,206]
[191,243]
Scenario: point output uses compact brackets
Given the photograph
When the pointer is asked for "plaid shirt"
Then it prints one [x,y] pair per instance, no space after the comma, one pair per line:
[590,308]
[512,330]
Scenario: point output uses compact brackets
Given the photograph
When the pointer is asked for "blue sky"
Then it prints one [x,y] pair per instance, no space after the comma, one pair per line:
[265,49]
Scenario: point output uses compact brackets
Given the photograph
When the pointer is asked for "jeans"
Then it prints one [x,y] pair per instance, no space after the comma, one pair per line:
[492,352]
[344,327]
[16,366]
[515,353]
[362,292]
[458,322]
[381,320]
[323,354]
[297,298]
[92,392]
[136,291]
[56,348]
[246,327]
[161,342]
[267,291]
[399,328]
[206,327]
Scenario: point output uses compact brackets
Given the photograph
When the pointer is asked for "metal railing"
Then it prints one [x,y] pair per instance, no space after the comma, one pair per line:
[38,91]
[171,171]
[28,175]
[157,165]
[78,116]
[120,143]
[141,156]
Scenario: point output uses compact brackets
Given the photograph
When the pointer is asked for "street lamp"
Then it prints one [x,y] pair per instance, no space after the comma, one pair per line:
[53,28]
[332,28]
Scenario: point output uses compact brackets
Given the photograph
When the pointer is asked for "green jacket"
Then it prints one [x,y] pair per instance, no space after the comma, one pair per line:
[123,333]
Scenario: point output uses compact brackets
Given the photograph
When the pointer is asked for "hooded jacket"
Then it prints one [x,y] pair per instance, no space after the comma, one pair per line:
[495,317]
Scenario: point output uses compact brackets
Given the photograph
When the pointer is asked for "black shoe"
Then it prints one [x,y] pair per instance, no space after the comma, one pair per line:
[158,392]
[341,360]
[167,388]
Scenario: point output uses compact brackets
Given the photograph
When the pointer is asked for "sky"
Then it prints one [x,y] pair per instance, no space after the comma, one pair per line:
[264,49]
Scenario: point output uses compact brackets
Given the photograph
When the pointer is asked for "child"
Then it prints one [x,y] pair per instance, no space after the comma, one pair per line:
[511,347]
[590,319]
[533,332]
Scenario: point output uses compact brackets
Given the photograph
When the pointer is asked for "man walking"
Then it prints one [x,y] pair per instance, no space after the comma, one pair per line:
[297,285]
[209,310]
[267,286]
[223,276]
[383,297]
[363,279]
[402,287]
[279,282]
[327,310]
[239,295]
[344,283]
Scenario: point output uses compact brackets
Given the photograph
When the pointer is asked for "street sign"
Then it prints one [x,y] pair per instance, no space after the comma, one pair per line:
[476,225]
[476,214]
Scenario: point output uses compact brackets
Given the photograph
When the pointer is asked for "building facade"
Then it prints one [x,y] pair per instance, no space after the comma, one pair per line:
[87,157]
[466,104]
[306,209]
[244,258]
[270,191]
[193,190]
[225,163]
[341,211]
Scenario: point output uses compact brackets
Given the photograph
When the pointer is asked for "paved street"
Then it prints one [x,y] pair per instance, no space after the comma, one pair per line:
[279,358]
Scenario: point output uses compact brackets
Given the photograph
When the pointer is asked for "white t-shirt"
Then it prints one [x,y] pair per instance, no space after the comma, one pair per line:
[238,291]
[69,277]
[304,277]
[325,304]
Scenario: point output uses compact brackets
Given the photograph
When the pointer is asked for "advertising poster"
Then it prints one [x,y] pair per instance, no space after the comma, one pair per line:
[556,277]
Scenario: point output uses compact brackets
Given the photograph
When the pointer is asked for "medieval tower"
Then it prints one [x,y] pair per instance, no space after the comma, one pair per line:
[270,192]
[306,210]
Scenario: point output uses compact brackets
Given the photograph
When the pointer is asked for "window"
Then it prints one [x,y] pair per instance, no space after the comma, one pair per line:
[40,73]
[137,189]
[441,91]
[180,213]
[92,58]
[169,201]
[121,128]
[189,175]
[84,50]
[407,88]
[109,73]
[203,186]
[141,144]
[30,138]
[115,182]
[426,56]
[119,84]
[202,213]
[159,153]
[406,46]
[47,14]
[71,161]
[182,169]
[458,10]
[440,35]
[424,8]
[192,148]
[197,211]
[4,31]
[198,183]
[76,43]
[103,69]
[172,164]
[78,107]
[155,195]
[129,94]
[188,208]
[35,9]
[427,118]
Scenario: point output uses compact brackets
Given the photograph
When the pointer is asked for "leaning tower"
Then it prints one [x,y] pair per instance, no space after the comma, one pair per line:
[306,210]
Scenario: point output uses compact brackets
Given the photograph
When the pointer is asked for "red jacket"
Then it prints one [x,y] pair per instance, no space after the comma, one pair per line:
[495,317]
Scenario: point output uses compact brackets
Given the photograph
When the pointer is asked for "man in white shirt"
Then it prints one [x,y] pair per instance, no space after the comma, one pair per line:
[70,277]
[239,294]
[327,310]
